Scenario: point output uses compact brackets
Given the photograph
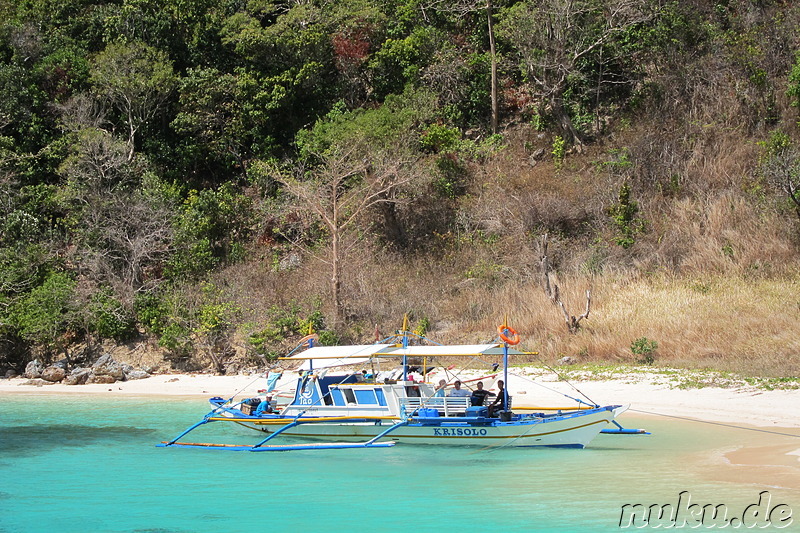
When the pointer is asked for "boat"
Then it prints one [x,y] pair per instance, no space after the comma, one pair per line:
[336,408]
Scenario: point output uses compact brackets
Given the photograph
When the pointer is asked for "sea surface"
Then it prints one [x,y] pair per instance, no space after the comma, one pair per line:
[75,463]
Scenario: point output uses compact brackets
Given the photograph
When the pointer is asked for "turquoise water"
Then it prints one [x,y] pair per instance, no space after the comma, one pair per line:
[83,464]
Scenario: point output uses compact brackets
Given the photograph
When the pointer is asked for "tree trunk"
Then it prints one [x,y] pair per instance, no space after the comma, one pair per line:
[568,130]
[492,53]
[393,229]
[131,137]
[336,281]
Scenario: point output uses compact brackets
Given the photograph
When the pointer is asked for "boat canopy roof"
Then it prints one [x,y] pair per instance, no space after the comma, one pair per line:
[452,350]
[329,356]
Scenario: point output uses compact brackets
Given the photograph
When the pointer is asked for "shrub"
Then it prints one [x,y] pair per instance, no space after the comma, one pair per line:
[623,214]
[645,349]
[108,316]
[559,150]
[43,315]
[440,138]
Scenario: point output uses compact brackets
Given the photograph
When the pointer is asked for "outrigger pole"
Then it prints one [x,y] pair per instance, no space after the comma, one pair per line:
[405,345]
[263,447]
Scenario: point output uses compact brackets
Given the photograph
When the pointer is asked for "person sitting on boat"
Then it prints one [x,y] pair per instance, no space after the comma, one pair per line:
[440,389]
[479,394]
[458,391]
[264,407]
[499,403]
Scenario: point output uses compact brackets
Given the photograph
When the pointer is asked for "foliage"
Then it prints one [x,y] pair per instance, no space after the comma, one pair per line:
[793,92]
[286,322]
[109,318]
[136,79]
[450,181]
[780,166]
[44,314]
[329,338]
[393,123]
[440,138]
[215,315]
[207,226]
[423,326]
[645,349]
[623,215]
[147,145]
[559,150]
[567,53]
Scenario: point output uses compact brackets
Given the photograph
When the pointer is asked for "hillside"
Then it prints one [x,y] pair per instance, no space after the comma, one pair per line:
[206,181]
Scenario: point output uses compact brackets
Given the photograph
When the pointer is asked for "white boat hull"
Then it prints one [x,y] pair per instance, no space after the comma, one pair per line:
[571,430]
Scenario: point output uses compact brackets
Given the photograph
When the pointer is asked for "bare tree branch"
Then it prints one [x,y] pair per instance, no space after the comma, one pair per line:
[339,193]
[553,293]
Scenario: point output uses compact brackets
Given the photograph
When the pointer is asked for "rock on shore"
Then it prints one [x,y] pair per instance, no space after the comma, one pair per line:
[105,370]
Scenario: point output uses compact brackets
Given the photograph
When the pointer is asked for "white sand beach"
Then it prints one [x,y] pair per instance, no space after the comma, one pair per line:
[741,405]
[775,411]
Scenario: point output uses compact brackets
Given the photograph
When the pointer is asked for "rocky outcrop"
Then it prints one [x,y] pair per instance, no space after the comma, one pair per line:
[107,366]
[78,376]
[136,374]
[53,374]
[102,378]
[34,369]
[105,370]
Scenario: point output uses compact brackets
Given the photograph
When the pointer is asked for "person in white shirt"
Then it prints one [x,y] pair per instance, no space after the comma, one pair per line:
[458,391]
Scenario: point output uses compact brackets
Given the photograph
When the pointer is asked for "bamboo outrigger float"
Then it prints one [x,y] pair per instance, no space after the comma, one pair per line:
[347,410]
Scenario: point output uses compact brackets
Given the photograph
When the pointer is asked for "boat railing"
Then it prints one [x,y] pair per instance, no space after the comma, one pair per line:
[446,405]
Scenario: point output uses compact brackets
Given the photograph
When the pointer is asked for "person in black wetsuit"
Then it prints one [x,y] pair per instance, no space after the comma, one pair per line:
[479,394]
[499,403]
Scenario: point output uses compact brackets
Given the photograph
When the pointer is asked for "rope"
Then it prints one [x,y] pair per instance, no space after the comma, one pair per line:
[235,394]
[554,371]
[716,423]
[526,378]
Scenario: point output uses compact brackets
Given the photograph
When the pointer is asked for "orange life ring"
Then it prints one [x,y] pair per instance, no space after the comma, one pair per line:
[505,331]
[307,338]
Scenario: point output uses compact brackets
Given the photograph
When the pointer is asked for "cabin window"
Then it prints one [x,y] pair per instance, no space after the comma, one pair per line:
[338,399]
[366,397]
[381,396]
[349,396]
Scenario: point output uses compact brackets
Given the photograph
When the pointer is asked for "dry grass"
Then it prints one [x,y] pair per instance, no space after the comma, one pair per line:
[722,322]
[714,279]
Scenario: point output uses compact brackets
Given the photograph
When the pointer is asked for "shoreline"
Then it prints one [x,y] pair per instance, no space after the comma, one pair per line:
[771,463]
[741,405]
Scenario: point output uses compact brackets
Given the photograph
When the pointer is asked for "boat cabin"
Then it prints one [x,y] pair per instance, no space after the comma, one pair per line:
[351,394]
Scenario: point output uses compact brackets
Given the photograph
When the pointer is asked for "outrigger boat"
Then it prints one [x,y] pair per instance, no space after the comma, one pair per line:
[351,410]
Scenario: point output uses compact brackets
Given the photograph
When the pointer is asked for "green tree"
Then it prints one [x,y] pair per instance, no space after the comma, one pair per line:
[558,40]
[44,314]
[285,69]
[207,229]
[780,166]
[136,79]
[213,116]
